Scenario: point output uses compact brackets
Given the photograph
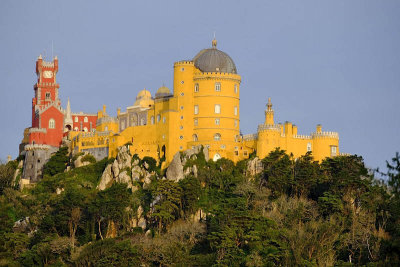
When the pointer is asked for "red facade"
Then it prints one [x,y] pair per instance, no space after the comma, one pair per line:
[84,122]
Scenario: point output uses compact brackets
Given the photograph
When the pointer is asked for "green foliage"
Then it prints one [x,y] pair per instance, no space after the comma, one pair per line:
[109,252]
[297,212]
[57,163]
[88,158]
[6,175]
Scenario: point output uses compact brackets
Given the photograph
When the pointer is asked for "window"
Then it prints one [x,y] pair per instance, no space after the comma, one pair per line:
[308,147]
[52,124]
[236,111]
[105,128]
[223,146]
[181,127]
[196,122]
[217,121]
[182,82]
[142,121]
[164,119]
[181,107]
[196,109]
[333,151]
[217,137]
[182,94]
[236,123]
[217,109]
[181,147]
[196,87]
[152,119]
[181,117]
[122,125]
[182,69]
[76,119]
[48,96]
[76,129]
[195,138]
[85,129]
[237,138]
[158,118]
[236,88]
[181,137]
[85,119]
[217,87]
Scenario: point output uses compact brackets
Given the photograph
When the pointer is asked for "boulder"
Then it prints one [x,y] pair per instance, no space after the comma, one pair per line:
[139,211]
[142,223]
[59,190]
[124,178]
[115,168]
[106,178]
[78,162]
[136,173]
[175,169]
[123,158]
[22,226]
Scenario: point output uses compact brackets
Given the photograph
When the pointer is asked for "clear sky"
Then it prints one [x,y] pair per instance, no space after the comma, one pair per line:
[331,62]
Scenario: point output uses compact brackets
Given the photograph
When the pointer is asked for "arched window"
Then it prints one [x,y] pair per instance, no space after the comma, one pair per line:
[48,96]
[236,88]
[152,119]
[308,147]
[142,121]
[76,119]
[236,111]
[217,109]
[158,118]
[52,124]
[164,119]
[217,121]
[196,109]
[196,87]
[217,87]
[195,138]
[76,129]
[85,119]
[196,122]
[217,137]
[85,129]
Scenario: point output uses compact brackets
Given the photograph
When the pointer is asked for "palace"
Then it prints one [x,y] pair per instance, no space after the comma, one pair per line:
[202,109]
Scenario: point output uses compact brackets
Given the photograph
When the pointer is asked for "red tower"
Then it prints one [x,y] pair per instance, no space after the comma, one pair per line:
[47,115]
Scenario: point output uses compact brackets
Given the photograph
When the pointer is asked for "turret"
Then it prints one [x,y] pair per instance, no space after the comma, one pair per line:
[319,128]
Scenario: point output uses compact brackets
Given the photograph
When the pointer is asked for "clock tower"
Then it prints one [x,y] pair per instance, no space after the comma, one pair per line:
[47,115]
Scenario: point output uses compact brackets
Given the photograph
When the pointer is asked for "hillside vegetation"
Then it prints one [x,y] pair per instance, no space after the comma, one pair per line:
[293,213]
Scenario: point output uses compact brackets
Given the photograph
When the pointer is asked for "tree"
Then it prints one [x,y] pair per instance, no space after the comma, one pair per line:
[57,163]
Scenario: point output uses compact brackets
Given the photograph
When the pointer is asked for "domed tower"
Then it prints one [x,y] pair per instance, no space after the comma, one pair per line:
[214,99]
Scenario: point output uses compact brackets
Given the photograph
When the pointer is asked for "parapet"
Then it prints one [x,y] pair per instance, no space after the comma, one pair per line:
[250,137]
[269,127]
[37,130]
[334,135]
[36,146]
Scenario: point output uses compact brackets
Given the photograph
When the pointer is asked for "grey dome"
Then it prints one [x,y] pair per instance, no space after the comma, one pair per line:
[214,60]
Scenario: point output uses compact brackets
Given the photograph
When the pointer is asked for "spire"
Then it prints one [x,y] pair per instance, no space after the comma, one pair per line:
[68,109]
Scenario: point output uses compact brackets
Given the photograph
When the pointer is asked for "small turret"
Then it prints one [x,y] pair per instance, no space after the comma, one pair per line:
[269,113]
[319,128]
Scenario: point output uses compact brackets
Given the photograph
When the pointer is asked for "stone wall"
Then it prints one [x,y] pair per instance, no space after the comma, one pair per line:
[98,152]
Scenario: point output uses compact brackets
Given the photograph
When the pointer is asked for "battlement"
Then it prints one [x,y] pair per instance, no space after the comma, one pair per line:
[250,137]
[37,146]
[37,130]
[48,64]
[325,135]
[269,127]
[302,136]
[183,62]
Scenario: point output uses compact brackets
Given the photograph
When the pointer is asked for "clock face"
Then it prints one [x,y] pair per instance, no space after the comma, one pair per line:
[47,74]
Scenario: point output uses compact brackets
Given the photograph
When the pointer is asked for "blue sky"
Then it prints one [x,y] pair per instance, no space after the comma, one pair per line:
[331,62]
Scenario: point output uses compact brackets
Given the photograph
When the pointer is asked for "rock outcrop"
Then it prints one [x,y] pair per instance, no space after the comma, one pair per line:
[254,166]
[123,170]
[79,163]
[176,170]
